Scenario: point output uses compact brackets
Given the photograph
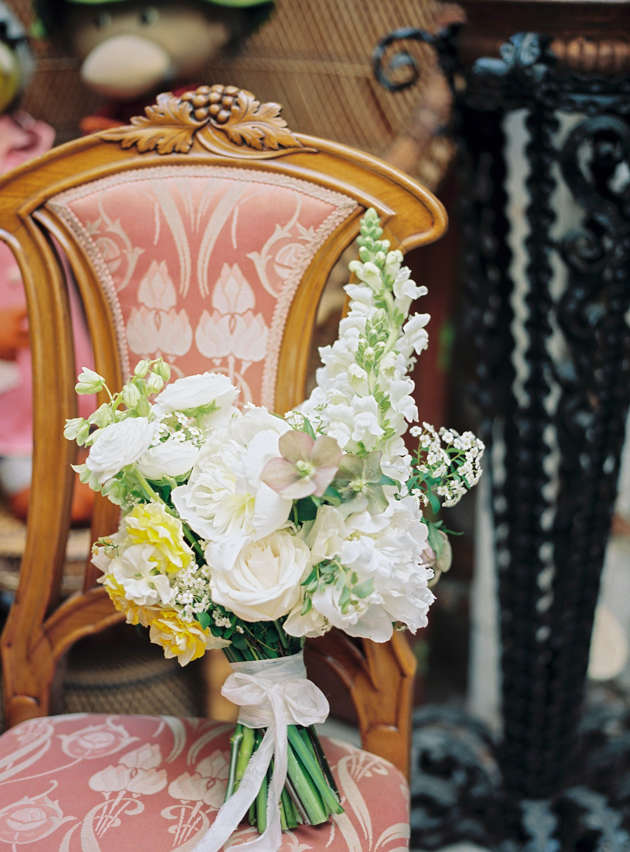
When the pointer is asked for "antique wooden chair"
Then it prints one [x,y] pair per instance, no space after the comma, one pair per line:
[206,232]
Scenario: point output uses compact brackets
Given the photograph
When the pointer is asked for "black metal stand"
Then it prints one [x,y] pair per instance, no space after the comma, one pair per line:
[551,784]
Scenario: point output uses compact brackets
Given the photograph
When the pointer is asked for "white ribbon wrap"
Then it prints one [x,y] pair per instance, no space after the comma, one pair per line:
[272,694]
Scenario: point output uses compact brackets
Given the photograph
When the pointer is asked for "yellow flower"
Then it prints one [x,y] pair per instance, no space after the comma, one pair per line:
[134,613]
[150,523]
[182,639]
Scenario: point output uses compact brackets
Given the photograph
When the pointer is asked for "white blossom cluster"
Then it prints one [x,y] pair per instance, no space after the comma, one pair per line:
[452,458]
[364,397]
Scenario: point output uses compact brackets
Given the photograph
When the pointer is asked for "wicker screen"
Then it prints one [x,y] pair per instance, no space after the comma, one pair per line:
[312,57]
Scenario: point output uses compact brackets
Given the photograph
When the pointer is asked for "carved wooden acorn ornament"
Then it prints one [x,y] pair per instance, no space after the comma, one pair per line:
[226,120]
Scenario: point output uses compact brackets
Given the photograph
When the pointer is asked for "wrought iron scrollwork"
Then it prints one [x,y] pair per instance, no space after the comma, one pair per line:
[546,786]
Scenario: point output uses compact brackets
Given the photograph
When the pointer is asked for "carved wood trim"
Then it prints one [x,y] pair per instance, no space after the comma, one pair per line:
[225,120]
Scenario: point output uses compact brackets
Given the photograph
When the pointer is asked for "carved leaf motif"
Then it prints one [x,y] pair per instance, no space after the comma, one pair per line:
[257,125]
[168,127]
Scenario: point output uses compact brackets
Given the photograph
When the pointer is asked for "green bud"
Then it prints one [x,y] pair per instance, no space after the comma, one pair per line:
[89,382]
[103,416]
[131,396]
[142,368]
[162,370]
[72,428]
[154,383]
[115,491]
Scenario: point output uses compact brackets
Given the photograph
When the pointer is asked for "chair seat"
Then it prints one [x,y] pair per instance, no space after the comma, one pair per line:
[98,783]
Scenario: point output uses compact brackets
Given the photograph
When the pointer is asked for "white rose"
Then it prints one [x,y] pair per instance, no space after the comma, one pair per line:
[264,583]
[170,458]
[196,392]
[119,445]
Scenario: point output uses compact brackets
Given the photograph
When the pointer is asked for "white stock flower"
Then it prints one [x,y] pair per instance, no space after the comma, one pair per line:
[366,619]
[194,392]
[169,458]
[225,501]
[311,625]
[264,583]
[415,336]
[119,445]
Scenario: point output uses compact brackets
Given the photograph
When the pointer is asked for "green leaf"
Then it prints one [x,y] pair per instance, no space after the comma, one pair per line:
[387,480]
[312,576]
[204,619]
[308,428]
[308,604]
[435,539]
[362,590]
[434,503]
[239,641]
[306,509]
[344,597]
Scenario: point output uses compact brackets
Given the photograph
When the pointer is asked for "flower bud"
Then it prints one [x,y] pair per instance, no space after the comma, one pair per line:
[155,383]
[72,428]
[142,368]
[131,395]
[162,370]
[103,416]
[115,491]
[89,382]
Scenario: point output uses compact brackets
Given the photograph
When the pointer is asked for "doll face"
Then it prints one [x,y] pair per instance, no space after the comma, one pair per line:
[129,49]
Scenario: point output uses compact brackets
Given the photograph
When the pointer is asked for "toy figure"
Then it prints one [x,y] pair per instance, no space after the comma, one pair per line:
[131,50]
[21,139]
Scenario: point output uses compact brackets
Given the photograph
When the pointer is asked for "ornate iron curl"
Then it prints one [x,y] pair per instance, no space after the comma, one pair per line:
[442,43]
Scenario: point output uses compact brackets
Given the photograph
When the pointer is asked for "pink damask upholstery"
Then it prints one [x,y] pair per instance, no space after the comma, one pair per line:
[201,263]
[95,783]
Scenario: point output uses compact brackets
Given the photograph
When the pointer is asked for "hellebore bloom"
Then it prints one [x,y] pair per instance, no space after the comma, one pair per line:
[359,482]
[307,466]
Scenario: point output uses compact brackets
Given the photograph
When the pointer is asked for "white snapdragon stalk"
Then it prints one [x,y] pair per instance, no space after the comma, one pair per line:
[363,398]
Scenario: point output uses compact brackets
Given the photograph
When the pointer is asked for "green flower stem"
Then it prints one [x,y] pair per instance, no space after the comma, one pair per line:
[235,742]
[289,809]
[245,753]
[321,757]
[305,788]
[282,636]
[261,805]
[301,814]
[314,771]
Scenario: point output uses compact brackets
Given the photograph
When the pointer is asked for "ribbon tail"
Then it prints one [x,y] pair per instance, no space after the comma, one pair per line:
[236,807]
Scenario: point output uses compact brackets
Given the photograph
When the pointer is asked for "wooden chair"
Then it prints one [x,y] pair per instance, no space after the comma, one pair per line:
[207,235]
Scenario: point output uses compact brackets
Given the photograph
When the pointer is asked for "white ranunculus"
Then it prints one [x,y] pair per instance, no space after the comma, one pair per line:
[225,501]
[196,392]
[133,570]
[170,458]
[119,445]
[264,583]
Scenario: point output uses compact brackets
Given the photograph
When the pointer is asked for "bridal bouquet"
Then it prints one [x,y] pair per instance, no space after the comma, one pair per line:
[250,532]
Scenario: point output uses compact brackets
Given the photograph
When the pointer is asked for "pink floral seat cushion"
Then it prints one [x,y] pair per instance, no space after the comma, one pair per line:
[96,783]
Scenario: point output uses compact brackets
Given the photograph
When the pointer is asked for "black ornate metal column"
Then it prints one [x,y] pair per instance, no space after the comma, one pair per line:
[549,785]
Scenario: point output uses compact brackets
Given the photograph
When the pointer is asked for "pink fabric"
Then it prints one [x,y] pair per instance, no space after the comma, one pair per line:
[94,783]
[21,139]
[201,263]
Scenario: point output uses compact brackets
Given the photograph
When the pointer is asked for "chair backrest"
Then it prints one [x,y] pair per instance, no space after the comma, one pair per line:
[207,236]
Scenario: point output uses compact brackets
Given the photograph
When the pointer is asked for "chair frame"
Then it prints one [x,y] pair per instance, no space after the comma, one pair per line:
[40,629]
